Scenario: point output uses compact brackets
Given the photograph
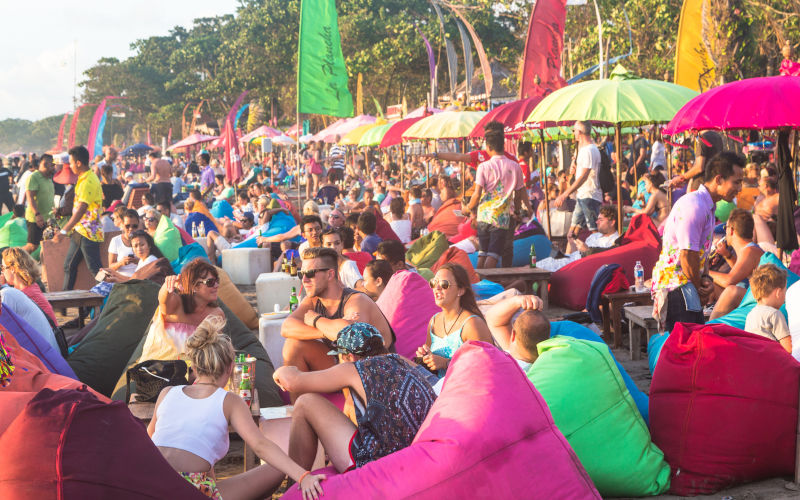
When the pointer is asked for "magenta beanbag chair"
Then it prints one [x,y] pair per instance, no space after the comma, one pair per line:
[69,444]
[723,408]
[488,435]
[569,286]
[407,302]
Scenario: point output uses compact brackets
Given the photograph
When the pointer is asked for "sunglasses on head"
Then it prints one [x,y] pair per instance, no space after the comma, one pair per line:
[444,284]
[209,282]
[311,272]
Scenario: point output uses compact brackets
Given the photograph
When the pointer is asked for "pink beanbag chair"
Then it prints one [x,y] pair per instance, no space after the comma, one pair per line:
[569,286]
[488,435]
[723,408]
[407,302]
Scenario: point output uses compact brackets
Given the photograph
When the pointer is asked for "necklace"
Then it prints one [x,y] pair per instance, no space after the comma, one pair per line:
[444,324]
[204,383]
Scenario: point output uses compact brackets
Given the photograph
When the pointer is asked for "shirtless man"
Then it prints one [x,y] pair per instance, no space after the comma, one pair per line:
[766,205]
[160,178]
[327,308]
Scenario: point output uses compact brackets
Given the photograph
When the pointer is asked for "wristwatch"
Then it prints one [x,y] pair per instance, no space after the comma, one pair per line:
[63,232]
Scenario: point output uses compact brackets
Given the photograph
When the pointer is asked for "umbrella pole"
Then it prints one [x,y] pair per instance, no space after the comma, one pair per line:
[543,176]
[428,166]
[402,166]
[618,146]
[669,171]
[463,170]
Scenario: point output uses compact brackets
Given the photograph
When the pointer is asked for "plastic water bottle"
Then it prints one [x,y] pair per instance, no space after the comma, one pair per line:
[638,274]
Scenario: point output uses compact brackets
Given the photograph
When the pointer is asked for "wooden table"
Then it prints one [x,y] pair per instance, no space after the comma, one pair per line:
[74,298]
[640,321]
[530,275]
[611,306]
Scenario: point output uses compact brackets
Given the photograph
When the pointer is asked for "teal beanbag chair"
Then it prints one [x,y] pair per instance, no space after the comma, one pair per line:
[222,208]
[485,289]
[186,254]
[654,349]
[591,406]
[738,316]
[280,223]
[522,249]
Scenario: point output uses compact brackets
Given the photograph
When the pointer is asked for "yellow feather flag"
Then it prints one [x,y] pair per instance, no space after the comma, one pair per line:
[693,65]
[359,97]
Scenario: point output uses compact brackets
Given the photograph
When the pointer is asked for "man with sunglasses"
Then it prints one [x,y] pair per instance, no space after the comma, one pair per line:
[327,308]
[336,218]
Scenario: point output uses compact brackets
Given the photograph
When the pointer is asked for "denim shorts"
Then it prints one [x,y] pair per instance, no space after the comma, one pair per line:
[585,213]
[492,239]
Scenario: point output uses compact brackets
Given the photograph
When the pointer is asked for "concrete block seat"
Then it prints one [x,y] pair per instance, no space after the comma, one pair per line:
[275,288]
[244,265]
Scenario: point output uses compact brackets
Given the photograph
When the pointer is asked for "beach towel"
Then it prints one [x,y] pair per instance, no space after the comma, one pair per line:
[167,238]
[69,443]
[35,343]
[425,251]
[457,256]
[407,302]
[445,219]
[591,406]
[489,434]
[14,233]
[101,356]
[723,408]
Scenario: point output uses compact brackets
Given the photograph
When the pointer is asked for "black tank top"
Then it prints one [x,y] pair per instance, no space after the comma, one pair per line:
[320,309]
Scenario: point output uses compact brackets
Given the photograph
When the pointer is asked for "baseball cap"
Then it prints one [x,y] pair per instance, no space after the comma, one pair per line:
[361,339]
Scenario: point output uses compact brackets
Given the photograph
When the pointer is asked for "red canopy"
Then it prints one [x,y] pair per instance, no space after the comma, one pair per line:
[395,133]
[509,114]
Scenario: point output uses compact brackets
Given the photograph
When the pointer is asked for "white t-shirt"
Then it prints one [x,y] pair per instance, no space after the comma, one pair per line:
[589,157]
[658,155]
[118,247]
[150,258]
[402,228]
[599,240]
[27,309]
[22,185]
[349,274]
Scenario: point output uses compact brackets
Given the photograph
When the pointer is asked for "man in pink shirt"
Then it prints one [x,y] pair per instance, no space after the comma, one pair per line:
[498,183]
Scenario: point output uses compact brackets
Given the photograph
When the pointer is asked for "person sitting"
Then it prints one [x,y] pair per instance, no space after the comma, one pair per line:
[312,232]
[120,253]
[348,270]
[336,218]
[327,308]
[415,212]
[232,233]
[22,272]
[348,241]
[604,238]
[112,188]
[766,205]
[149,204]
[391,399]
[151,218]
[377,274]
[459,321]
[657,206]
[400,222]
[145,251]
[394,253]
[530,327]
[366,230]
[768,284]
[190,426]
[731,287]
[22,304]
[165,209]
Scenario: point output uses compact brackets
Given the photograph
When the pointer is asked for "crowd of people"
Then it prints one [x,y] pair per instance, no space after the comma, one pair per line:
[348,238]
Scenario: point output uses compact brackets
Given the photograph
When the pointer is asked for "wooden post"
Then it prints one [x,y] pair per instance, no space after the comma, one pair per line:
[618,146]
[543,175]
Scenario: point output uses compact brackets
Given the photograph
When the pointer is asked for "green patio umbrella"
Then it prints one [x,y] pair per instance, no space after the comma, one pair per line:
[374,135]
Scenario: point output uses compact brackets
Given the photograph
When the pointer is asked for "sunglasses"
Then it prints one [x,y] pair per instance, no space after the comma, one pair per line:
[311,272]
[443,284]
[131,226]
[209,282]
[150,219]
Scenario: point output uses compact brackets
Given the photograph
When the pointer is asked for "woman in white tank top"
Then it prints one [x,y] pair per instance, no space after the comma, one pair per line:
[190,426]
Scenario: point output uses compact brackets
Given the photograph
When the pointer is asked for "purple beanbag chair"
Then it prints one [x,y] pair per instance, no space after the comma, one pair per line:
[488,435]
[407,302]
[29,339]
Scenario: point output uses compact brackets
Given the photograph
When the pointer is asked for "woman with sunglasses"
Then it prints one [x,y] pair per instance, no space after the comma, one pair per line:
[120,253]
[151,218]
[459,321]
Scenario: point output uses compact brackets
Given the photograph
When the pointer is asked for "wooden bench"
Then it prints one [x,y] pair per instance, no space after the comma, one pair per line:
[74,298]
[530,275]
[640,322]
[611,307]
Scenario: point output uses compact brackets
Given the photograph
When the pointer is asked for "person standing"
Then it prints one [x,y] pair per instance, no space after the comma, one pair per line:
[5,186]
[708,144]
[586,185]
[680,285]
[85,221]
[336,161]
[39,192]
[206,174]
[161,184]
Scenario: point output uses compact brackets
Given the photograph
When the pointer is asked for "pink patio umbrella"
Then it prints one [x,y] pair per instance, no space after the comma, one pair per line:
[217,142]
[329,134]
[330,128]
[15,154]
[423,111]
[192,140]
[262,131]
[509,114]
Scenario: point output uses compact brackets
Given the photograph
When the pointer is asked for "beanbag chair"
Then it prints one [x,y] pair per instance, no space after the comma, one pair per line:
[186,238]
[485,289]
[738,316]
[360,258]
[233,298]
[654,349]
[723,210]
[383,228]
[33,342]
[69,444]
[195,218]
[14,233]
[426,250]
[723,408]
[280,223]
[578,331]
[445,220]
[457,256]
[465,230]
[222,208]
[489,434]
[592,407]
[186,254]
[101,356]
[522,249]
[167,238]
[569,286]
[407,302]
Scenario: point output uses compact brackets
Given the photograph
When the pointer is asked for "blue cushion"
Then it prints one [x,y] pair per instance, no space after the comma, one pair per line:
[654,349]
[32,341]
[522,251]
[186,254]
[222,208]
[281,222]
[485,289]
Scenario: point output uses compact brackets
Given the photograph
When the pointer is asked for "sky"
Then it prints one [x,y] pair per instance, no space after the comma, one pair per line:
[43,41]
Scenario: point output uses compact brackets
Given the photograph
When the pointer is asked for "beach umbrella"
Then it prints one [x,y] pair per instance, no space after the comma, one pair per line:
[283,140]
[262,131]
[394,135]
[15,154]
[509,114]
[192,140]
[373,136]
[305,139]
[342,127]
[445,125]
[353,137]
[136,150]
[422,112]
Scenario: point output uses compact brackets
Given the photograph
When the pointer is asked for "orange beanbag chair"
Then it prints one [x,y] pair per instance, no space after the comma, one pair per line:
[445,219]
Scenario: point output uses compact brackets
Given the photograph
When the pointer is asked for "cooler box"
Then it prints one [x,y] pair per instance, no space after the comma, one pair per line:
[244,265]
[275,288]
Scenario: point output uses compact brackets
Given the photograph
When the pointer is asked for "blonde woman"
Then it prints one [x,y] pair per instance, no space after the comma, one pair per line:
[190,426]
[22,272]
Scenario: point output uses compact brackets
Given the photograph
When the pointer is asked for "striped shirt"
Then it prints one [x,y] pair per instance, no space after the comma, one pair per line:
[337,150]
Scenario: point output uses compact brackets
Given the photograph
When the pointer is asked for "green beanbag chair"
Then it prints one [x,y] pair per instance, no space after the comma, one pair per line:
[426,250]
[14,233]
[724,209]
[591,406]
[168,238]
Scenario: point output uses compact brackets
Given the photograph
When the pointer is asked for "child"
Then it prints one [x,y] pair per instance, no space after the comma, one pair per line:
[768,284]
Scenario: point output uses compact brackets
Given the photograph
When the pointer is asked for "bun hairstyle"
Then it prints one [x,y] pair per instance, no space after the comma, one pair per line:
[210,351]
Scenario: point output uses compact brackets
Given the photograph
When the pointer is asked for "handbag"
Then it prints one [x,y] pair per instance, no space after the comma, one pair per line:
[152,376]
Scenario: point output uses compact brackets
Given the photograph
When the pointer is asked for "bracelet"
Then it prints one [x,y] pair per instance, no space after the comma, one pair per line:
[314,323]
[303,476]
